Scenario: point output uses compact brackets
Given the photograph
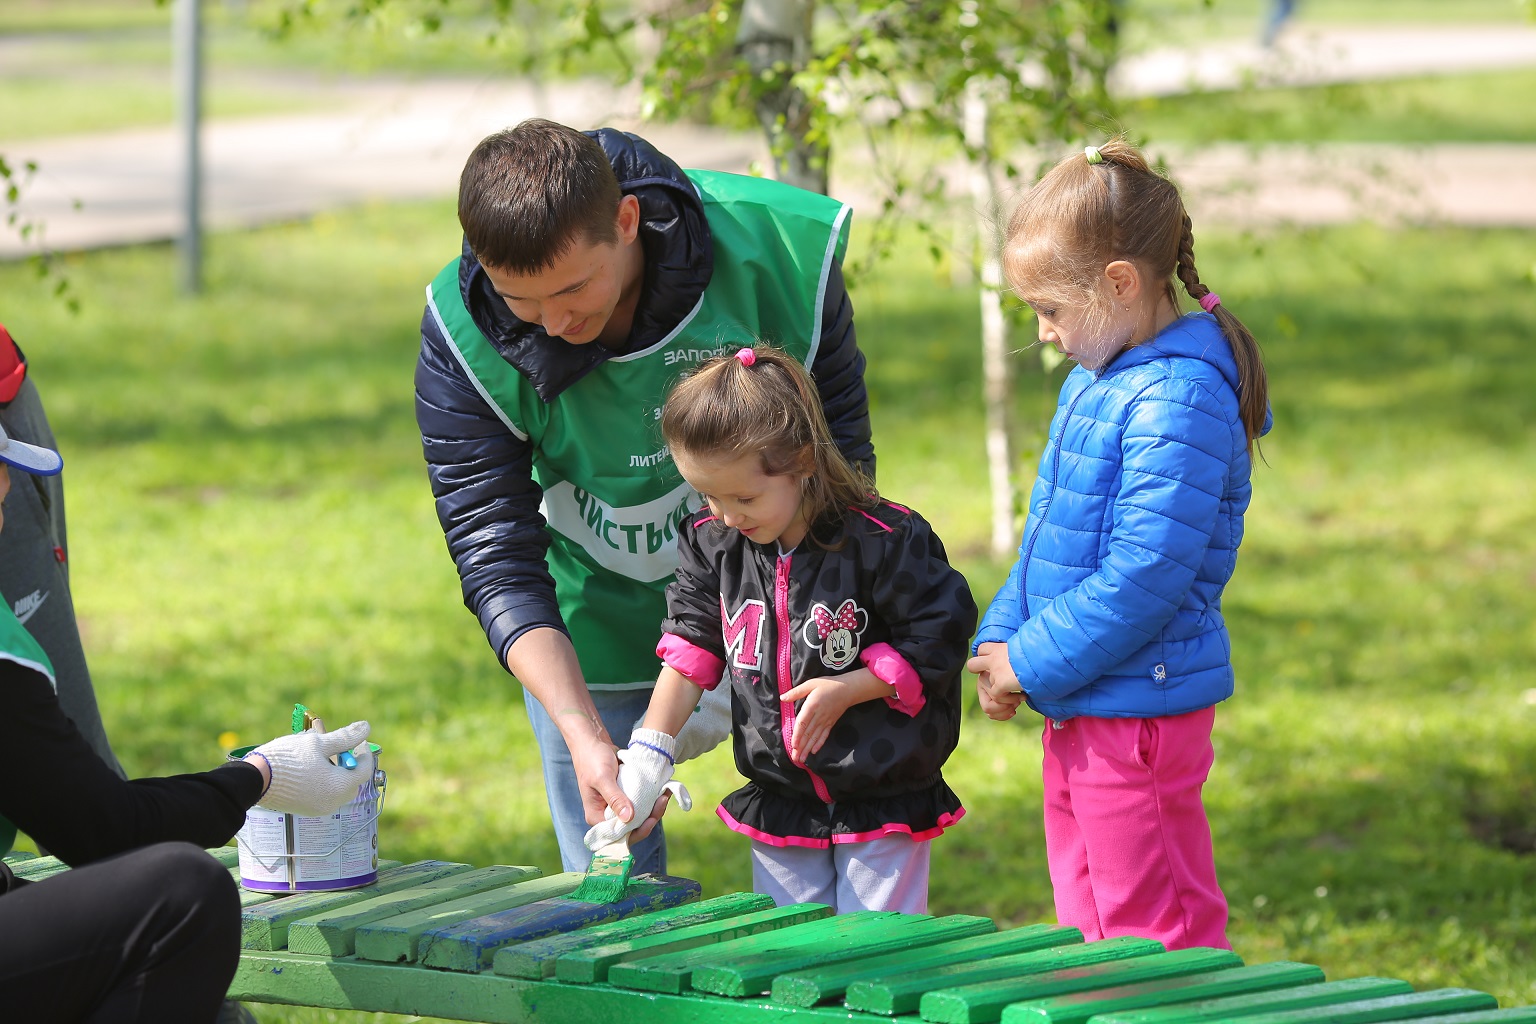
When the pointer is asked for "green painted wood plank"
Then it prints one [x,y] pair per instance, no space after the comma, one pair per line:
[395,938]
[1077,1007]
[673,972]
[38,868]
[1413,1006]
[1329,993]
[1509,1015]
[983,1002]
[331,932]
[537,959]
[902,994]
[753,974]
[372,987]
[229,856]
[266,926]
[15,857]
[471,945]
[809,987]
[592,964]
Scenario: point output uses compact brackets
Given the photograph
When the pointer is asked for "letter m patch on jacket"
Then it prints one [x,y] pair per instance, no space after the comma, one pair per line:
[744,633]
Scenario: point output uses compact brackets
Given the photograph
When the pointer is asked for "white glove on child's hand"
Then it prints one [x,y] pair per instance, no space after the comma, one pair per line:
[304,781]
[645,769]
[709,724]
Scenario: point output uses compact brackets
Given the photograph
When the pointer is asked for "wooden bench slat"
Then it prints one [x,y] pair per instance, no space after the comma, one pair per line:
[1508,1015]
[1077,1007]
[265,926]
[1412,1006]
[591,964]
[537,959]
[395,939]
[983,1002]
[1329,993]
[331,932]
[471,945]
[673,972]
[809,987]
[369,986]
[902,993]
[752,975]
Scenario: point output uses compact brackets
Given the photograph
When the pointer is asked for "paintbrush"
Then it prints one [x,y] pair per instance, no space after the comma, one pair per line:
[607,875]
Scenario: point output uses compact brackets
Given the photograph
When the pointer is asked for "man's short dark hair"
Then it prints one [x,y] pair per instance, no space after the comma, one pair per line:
[528,193]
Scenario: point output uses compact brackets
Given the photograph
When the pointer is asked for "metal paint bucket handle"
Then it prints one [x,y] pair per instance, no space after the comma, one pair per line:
[379,781]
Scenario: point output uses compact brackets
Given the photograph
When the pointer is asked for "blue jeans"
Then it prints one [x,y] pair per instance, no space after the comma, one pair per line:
[619,709]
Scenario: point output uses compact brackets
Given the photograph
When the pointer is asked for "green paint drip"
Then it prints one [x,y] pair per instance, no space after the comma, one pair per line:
[606,881]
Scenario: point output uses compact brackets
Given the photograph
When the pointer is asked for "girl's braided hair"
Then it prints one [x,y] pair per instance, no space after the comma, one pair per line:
[1082,216]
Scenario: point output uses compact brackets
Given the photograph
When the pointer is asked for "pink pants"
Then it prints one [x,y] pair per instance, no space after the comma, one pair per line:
[1125,831]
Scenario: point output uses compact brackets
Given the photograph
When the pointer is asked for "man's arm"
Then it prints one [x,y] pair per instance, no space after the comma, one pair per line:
[488,505]
[544,661]
[839,372]
[487,500]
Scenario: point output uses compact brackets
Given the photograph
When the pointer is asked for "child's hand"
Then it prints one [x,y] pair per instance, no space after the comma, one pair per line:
[826,698]
[997,686]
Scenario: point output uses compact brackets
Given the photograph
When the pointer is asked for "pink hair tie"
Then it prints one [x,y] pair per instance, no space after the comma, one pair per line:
[746,356]
[1209,301]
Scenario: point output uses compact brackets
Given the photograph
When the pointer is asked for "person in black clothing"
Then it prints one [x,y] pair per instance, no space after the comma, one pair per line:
[146,927]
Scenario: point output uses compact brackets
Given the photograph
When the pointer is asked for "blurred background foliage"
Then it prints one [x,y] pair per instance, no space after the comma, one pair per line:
[251,524]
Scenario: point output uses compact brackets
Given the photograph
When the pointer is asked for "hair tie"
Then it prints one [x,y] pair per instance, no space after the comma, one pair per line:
[746,356]
[1209,301]
[1093,154]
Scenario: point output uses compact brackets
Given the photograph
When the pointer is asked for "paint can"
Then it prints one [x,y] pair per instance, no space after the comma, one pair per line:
[282,852]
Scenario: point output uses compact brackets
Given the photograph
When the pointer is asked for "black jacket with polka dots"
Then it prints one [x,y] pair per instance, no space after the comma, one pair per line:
[873,590]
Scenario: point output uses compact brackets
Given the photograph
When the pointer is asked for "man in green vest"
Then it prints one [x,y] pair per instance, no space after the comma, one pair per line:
[594,272]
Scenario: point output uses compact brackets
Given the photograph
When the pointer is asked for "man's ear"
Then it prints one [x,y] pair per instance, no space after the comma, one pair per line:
[1124,280]
[628,222]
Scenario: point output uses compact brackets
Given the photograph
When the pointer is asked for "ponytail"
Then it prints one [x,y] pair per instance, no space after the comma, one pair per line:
[1252,382]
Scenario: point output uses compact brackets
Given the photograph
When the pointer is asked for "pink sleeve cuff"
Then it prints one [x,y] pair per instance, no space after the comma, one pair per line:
[698,665]
[887,665]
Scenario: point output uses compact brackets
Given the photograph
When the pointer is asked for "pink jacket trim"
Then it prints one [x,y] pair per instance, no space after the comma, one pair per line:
[945,822]
[700,522]
[886,664]
[764,837]
[698,665]
[872,519]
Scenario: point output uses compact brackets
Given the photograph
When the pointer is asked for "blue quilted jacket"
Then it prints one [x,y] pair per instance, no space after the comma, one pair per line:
[1114,606]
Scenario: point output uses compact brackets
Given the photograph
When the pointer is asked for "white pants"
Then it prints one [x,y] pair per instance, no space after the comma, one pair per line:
[889,873]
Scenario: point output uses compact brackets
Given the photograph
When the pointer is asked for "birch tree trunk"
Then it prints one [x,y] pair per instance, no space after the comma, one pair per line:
[994,328]
[775,35]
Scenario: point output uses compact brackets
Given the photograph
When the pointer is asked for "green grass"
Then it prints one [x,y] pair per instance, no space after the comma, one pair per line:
[251,527]
[1497,106]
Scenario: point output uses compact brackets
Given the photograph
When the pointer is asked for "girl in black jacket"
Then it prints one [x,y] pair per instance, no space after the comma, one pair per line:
[839,626]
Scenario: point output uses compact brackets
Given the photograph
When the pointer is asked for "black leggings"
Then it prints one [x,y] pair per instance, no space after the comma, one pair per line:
[150,935]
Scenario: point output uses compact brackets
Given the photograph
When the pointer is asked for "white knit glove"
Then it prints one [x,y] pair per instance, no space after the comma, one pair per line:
[709,724]
[645,769]
[304,781]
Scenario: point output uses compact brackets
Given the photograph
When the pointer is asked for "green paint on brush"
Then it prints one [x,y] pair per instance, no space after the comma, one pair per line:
[298,723]
[607,875]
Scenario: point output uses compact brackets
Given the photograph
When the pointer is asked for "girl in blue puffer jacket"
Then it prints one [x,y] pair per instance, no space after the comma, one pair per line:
[1110,623]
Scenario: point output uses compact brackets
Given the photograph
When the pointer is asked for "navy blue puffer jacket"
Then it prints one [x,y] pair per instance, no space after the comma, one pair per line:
[1114,606]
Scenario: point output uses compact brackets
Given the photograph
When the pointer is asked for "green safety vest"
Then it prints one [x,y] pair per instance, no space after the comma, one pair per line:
[17,645]
[612,497]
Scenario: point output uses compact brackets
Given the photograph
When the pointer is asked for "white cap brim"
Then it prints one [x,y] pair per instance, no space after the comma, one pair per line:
[30,457]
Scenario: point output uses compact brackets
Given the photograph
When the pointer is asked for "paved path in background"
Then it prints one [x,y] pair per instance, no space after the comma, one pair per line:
[388,140]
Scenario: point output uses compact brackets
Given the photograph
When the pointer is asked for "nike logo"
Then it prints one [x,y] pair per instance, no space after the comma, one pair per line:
[28,606]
